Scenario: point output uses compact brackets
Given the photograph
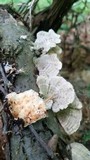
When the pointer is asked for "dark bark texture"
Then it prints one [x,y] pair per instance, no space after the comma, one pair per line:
[52,17]
[22,144]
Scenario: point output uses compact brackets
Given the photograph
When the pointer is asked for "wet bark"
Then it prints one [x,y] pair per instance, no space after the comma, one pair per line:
[52,17]
[22,144]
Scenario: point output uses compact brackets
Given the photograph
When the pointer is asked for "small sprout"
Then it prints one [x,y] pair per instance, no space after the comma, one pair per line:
[27,106]
[46,40]
[48,65]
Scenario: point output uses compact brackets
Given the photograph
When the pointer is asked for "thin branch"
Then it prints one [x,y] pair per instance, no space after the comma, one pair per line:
[42,143]
[7,83]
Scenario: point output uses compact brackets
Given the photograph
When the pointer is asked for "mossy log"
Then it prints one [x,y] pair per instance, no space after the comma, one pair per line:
[21,142]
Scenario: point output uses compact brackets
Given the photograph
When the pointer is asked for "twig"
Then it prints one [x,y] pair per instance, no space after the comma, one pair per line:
[42,143]
[4,115]
[7,83]
[5,92]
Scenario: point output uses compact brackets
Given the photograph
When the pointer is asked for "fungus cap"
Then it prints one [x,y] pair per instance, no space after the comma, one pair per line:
[27,106]
[46,40]
[78,151]
[48,65]
[70,119]
[61,90]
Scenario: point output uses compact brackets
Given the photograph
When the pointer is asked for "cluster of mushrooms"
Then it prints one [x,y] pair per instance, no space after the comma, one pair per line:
[58,94]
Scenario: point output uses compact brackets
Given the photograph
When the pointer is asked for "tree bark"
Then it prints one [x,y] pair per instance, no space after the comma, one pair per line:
[21,142]
[52,17]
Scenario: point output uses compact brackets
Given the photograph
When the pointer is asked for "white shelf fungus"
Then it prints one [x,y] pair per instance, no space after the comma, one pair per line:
[46,40]
[62,91]
[58,93]
[78,151]
[48,65]
[43,85]
[70,119]
[27,106]
[48,104]
[76,103]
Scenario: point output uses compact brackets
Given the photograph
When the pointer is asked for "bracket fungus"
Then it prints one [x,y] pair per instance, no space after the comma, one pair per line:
[60,93]
[27,106]
[61,90]
[70,119]
[46,40]
[78,151]
[63,100]
[48,65]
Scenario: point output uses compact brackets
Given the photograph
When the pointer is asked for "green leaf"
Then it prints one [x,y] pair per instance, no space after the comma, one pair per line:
[86,136]
[42,4]
[65,27]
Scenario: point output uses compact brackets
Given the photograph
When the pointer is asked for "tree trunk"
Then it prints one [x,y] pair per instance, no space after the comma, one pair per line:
[52,17]
[21,142]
